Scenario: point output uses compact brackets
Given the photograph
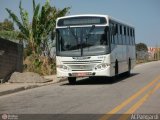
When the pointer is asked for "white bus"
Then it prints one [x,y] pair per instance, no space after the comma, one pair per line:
[93,45]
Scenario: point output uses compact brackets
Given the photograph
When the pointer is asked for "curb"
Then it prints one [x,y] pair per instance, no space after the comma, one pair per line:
[11,91]
[19,89]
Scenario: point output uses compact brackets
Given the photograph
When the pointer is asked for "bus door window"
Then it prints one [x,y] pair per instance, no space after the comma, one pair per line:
[113,36]
[111,33]
[104,37]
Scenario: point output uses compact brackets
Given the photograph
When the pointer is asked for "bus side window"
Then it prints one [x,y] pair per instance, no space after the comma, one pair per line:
[131,32]
[133,37]
[118,40]
[125,40]
[120,34]
[130,43]
[124,30]
[116,34]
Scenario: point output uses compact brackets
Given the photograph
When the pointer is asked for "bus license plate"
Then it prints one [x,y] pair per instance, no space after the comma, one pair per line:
[80,74]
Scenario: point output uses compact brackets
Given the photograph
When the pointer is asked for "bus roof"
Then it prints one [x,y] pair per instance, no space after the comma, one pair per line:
[97,15]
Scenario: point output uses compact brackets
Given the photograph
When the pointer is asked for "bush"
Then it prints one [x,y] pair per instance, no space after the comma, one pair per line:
[40,64]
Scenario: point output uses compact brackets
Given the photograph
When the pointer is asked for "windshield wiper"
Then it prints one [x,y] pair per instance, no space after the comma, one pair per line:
[92,28]
[88,35]
[72,32]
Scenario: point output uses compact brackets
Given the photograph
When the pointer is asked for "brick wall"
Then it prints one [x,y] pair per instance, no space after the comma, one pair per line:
[11,58]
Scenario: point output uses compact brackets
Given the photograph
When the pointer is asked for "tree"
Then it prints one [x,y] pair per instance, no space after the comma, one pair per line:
[43,23]
[6,25]
[9,35]
[141,51]
[37,34]
[141,47]
[7,31]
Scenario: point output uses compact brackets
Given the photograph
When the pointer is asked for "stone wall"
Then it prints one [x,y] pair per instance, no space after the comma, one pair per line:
[11,58]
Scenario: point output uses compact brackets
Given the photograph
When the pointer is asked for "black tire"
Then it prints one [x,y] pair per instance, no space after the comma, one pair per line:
[72,80]
[129,68]
[91,77]
[116,70]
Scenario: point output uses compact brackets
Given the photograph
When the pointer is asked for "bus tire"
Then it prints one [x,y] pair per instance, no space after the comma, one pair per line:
[129,67]
[116,69]
[72,80]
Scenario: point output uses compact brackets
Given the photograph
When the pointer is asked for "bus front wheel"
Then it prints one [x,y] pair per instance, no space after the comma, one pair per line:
[72,80]
[116,70]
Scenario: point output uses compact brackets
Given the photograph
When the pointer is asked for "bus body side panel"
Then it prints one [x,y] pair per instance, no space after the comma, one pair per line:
[122,54]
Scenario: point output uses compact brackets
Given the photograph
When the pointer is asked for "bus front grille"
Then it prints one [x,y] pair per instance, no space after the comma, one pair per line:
[82,62]
[82,65]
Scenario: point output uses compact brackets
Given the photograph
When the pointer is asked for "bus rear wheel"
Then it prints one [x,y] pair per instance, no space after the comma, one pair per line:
[72,80]
[129,68]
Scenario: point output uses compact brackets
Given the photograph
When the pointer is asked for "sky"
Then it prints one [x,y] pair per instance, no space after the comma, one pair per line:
[144,15]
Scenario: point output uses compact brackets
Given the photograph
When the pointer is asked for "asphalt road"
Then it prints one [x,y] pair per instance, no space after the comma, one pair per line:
[90,98]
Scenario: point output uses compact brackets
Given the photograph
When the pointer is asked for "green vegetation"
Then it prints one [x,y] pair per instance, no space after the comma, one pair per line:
[141,53]
[7,31]
[6,25]
[38,32]
[38,35]
[10,35]
[141,47]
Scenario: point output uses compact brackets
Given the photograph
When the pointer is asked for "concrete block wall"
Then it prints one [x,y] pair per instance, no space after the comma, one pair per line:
[11,58]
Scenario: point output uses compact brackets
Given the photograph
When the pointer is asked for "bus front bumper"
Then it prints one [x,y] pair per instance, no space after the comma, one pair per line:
[104,72]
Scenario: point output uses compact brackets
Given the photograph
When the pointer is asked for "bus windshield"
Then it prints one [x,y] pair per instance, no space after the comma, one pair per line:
[82,41]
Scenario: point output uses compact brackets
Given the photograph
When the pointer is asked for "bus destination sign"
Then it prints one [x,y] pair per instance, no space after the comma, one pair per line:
[81,21]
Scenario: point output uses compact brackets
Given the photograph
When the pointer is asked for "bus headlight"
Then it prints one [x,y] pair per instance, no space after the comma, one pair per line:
[63,67]
[101,66]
